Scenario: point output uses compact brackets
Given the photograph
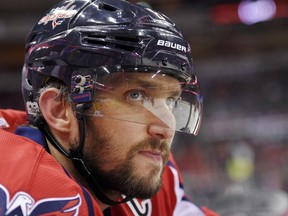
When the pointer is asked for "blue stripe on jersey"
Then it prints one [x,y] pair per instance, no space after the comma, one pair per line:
[66,172]
[88,199]
[33,134]
[169,163]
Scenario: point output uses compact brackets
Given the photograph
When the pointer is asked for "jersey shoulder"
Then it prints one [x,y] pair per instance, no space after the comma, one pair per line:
[32,180]
[10,119]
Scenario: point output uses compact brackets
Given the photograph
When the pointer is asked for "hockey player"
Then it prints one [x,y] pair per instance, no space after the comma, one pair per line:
[106,84]
[10,119]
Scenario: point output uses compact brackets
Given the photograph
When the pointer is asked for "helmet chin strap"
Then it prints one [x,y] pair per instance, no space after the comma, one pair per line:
[76,156]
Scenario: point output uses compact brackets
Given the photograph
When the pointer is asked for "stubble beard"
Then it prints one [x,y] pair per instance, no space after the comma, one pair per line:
[123,178]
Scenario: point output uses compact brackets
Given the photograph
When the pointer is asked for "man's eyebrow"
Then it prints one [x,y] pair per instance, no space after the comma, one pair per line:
[154,84]
[171,89]
[145,83]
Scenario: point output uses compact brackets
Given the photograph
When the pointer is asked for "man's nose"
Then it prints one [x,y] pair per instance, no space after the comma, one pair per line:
[160,132]
[163,124]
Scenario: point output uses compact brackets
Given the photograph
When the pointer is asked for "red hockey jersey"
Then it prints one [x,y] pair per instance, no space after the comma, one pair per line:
[169,201]
[32,182]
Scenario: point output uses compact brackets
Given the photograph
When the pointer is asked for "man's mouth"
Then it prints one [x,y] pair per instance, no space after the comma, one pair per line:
[154,155]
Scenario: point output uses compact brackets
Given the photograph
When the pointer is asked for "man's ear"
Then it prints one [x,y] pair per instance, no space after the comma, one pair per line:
[57,111]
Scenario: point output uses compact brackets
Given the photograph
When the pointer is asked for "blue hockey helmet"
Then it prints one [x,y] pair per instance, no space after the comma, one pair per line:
[77,39]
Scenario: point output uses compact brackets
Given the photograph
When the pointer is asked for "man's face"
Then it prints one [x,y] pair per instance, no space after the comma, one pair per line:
[127,144]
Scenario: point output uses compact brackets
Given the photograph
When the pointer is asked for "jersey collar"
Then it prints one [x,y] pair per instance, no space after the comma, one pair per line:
[33,134]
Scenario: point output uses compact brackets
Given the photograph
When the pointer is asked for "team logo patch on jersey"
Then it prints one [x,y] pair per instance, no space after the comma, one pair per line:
[58,15]
[140,208]
[22,204]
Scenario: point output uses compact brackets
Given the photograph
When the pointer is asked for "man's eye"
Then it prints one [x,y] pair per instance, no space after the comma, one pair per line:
[136,95]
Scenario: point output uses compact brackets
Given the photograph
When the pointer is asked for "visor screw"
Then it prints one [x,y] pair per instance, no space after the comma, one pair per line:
[30,95]
[183,66]
[165,62]
[80,80]
[76,90]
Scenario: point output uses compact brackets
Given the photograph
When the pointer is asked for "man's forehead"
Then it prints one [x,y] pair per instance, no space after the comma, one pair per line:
[145,80]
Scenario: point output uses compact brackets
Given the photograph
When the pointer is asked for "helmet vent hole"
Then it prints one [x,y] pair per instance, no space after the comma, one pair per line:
[95,40]
[118,42]
[107,7]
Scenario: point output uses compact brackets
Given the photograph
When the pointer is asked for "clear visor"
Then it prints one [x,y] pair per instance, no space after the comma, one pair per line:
[142,98]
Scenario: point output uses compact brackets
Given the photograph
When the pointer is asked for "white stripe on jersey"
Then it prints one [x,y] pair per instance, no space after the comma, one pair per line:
[183,207]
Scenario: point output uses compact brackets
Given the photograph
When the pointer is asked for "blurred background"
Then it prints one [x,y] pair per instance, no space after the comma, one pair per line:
[237,165]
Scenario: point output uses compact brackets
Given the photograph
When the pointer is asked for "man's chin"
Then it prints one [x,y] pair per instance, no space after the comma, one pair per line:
[149,190]
[147,184]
